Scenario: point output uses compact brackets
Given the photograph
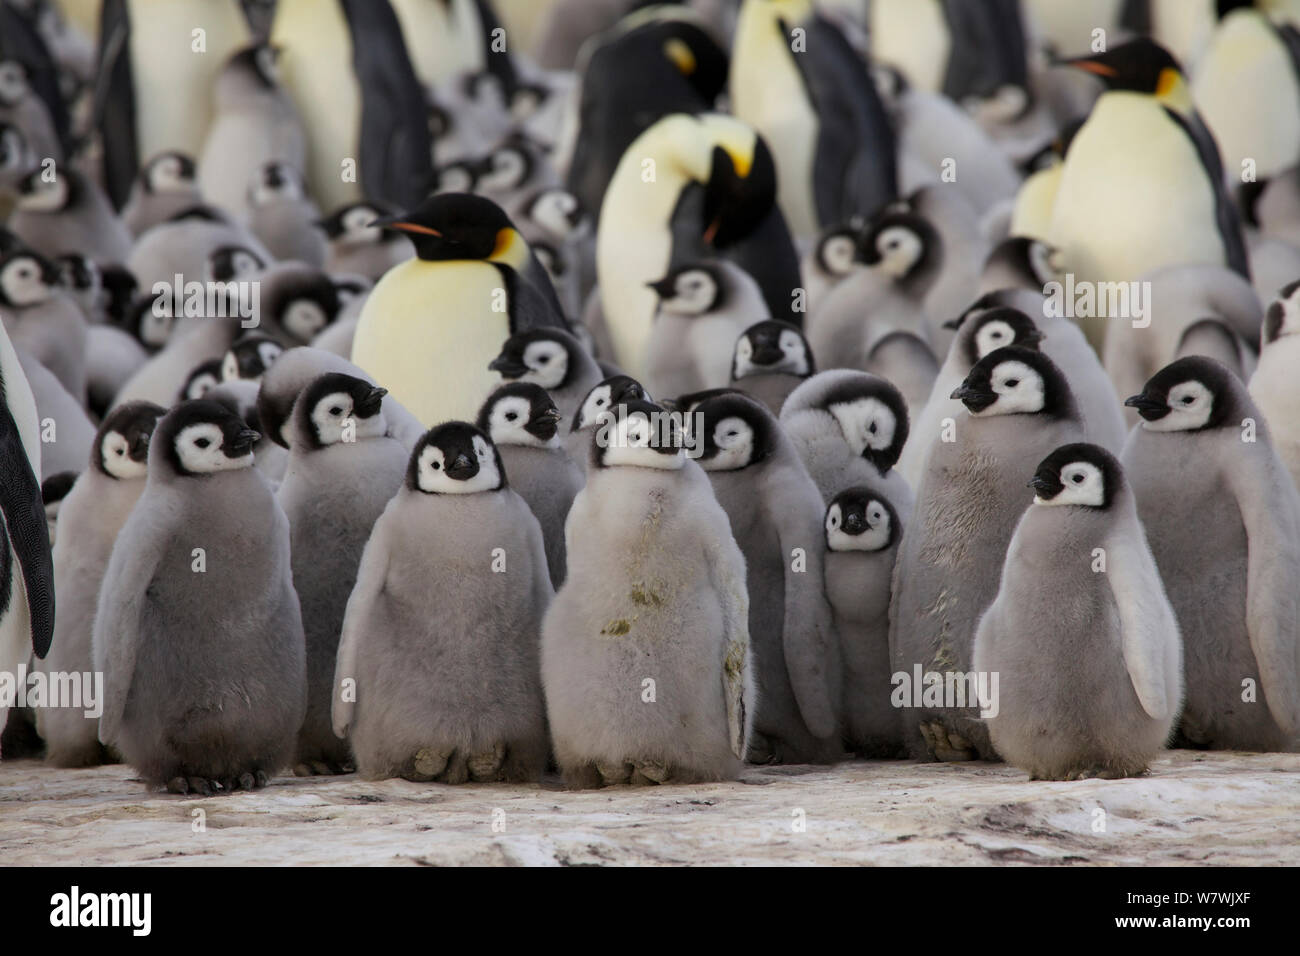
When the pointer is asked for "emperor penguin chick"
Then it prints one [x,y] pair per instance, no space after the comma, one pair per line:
[599,401]
[1223,518]
[771,359]
[283,216]
[1089,665]
[775,511]
[654,604]
[862,537]
[343,470]
[90,517]
[197,629]
[523,423]
[164,188]
[1018,406]
[440,640]
[553,359]
[1274,386]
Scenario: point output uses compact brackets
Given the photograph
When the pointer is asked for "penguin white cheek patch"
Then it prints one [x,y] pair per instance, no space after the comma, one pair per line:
[1190,406]
[865,423]
[547,364]
[117,459]
[199,449]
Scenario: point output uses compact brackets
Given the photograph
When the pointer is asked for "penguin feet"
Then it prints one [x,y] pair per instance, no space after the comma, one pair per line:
[1101,773]
[612,774]
[484,767]
[947,746]
[320,768]
[649,771]
[205,787]
[445,766]
[761,749]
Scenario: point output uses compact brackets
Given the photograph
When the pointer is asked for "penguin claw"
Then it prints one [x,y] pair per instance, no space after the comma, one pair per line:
[614,774]
[948,747]
[653,771]
[428,764]
[200,786]
[247,781]
[487,766]
[457,769]
[178,785]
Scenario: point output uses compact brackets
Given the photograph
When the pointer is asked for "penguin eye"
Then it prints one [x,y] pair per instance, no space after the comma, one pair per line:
[436,466]
[202,442]
[511,416]
[336,410]
[872,428]
[600,402]
[835,521]
[544,359]
[1077,479]
[1012,382]
[1187,399]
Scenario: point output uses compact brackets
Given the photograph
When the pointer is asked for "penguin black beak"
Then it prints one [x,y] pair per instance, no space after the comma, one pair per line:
[463,468]
[854,523]
[663,288]
[139,446]
[767,354]
[954,323]
[1151,409]
[1031,339]
[551,416]
[370,403]
[243,443]
[507,367]
[975,399]
[1040,485]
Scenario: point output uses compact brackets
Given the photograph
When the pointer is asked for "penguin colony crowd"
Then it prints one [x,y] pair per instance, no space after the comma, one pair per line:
[454,389]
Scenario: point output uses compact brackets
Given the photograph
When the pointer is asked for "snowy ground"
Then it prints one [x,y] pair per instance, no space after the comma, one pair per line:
[1194,808]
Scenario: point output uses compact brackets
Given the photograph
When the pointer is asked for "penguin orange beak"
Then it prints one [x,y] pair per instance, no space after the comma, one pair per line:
[394,222]
[1092,66]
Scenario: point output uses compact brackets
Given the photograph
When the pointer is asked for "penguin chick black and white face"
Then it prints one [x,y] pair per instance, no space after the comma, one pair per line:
[152,321]
[204,437]
[859,519]
[1187,395]
[1077,474]
[340,408]
[1031,261]
[873,419]
[38,194]
[78,274]
[638,434]
[541,356]
[455,458]
[737,432]
[520,413]
[837,251]
[901,244]
[26,279]
[204,378]
[557,211]
[771,346]
[353,225]
[275,182]
[994,329]
[609,394]
[121,448]
[304,305]
[249,358]
[229,263]
[452,226]
[690,290]
[1015,381]
[1283,315]
[168,172]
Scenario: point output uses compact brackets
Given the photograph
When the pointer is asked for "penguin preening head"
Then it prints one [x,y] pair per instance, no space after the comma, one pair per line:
[771,346]
[737,431]
[168,172]
[520,413]
[1191,394]
[455,458]
[1139,66]
[861,519]
[275,182]
[37,194]
[199,438]
[904,246]
[692,289]
[872,417]
[1079,474]
[1016,381]
[339,408]
[456,226]
[983,332]
[638,434]
[739,192]
[26,279]
[249,357]
[354,225]
[121,449]
[1283,315]
[201,380]
[543,356]
[603,398]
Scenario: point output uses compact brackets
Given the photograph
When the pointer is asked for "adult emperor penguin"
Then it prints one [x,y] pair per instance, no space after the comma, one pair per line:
[523,422]
[1223,518]
[771,359]
[90,517]
[776,512]
[345,64]
[862,536]
[431,325]
[654,604]
[1120,211]
[972,494]
[796,79]
[1089,665]
[1274,386]
[158,62]
[343,470]
[198,630]
[437,675]
[553,359]
[689,187]
[26,569]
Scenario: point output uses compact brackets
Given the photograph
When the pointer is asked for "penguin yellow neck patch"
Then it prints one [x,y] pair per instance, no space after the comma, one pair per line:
[509,248]
[1171,90]
[681,55]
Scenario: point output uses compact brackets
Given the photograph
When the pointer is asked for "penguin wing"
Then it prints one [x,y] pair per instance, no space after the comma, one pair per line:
[114,104]
[722,557]
[1270,511]
[1146,620]
[27,536]
[1225,213]
[530,307]
[807,630]
[356,619]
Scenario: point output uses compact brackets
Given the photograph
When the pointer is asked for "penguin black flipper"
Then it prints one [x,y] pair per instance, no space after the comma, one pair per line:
[497,62]
[854,170]
[28,534]
[988,44]
[115,102]
[528,306]
[535,275]
[396,150]
[1225,212]
[20,41]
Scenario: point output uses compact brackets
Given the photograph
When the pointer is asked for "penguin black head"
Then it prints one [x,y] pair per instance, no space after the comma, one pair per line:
[275,182]
[168,172]
[1077,474]
[77,273]
[1016,381]
[1028,260]
[55,488]
[1191,394]
[556,210]
[837,250]
[692,52]
[201,212]
[692,289]
[520,413]
[353,225]
[737,432]
[120,284]
[1138,66]
[861,519]
[452,226]
[997,328]
[303,303]
[771,346]
[338,408]
[738,195]
[692,400]
[609,394]
[872,416]
[41,192]
[151,322]
[26,278]
[455,458]
[202,437]
[543,356]
[121,449]
[228,263]
[1283,315]
[201,380]
[903,245]
[249,357]
[640,434]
